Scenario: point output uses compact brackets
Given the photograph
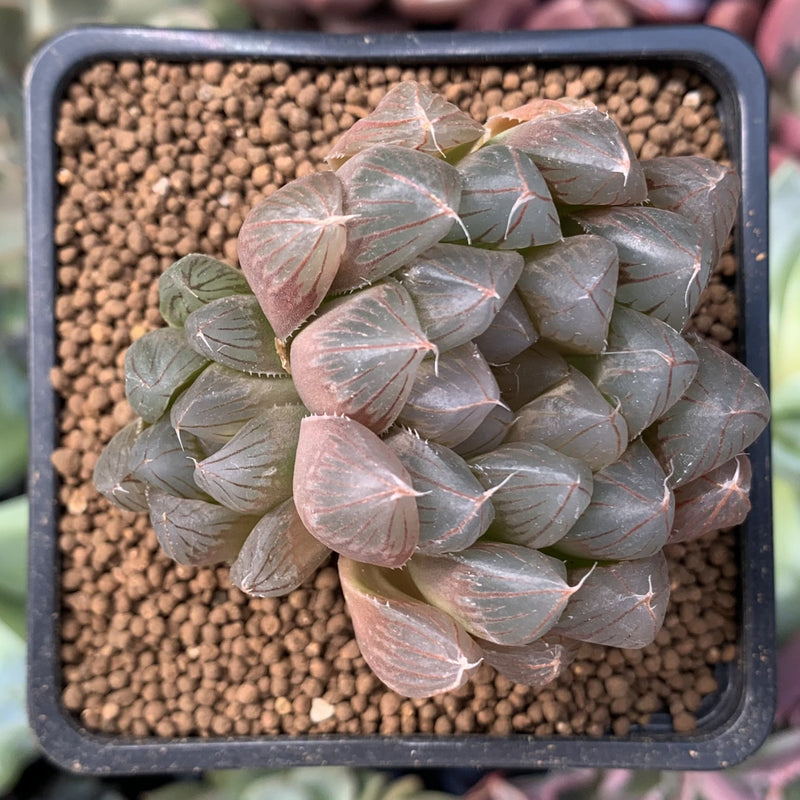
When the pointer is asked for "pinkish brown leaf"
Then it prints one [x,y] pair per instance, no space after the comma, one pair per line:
[290,247]
[630,514]
[533,664]
[488,435]
[459,290]
[584,156]
[575,419]
[415,649]
[409,115]
[500,592]
[451,396]
[618,605]
[278,555]
[509,333]
[353,493]
[568,289]
[722,413]
[718,499]
[529,374]
[704,191]
[113,472]
[197,532]
[454,510]
[664,259]
[403,202]
[537,493]
[505,201]
[360,357]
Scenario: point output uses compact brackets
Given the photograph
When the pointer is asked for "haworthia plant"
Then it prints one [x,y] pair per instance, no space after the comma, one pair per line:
[455,361]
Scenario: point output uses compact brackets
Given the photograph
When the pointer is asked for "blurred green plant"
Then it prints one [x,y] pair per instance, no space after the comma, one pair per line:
[785,373]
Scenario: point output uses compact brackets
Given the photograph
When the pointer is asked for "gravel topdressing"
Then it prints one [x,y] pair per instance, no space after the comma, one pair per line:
[160,160]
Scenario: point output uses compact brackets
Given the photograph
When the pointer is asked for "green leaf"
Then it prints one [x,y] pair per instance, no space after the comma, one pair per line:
[353,493]
[459,290]
[500,592]
[114,470]
[505,201]
[403,200]
[252,472]
[290,247]
[451,396]
[454,510]
[157,367]
[278,555]
[221,400]
[722,413]
[645,368]
[664,259]
[568,289]
[192,282]
[14,546]
[538,493]
[359,358]
[17,746]
[619,605]
[630,514]
[575,419]
[234,331]
[415,649]
[197,532]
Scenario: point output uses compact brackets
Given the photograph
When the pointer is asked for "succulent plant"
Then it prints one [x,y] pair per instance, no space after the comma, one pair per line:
[460,362]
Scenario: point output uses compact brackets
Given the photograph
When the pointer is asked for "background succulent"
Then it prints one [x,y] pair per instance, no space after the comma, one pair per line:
[460,362]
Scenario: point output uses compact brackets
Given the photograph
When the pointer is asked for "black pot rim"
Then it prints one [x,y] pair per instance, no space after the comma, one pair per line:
[743,714]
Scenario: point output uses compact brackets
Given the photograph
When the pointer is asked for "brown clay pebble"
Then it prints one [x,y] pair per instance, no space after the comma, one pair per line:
[160,160]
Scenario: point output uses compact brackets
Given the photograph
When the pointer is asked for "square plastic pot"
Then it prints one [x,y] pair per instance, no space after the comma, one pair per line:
[740,716]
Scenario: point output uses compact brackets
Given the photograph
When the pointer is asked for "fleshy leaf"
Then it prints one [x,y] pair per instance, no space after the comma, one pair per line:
[619,605]
[488,435]
[290,247]
[409,115]
[165,462]
[510,332]
[500,592]
[704,191]
[157,366]
[252,472]
[451,396]
[360,357]
[454,510]
[529,374]
[193,281]
[403,201]
[505,201]
[220,400]
[538,493]
[278,555]
[197,532]
[536,108]
[722,413]
[353,493]
[415,649]
[582,154]
[113,473]
[459,290]
[534,664]
[646,368]
[631,512]
[575,419]
[664,260]
[234,331]
[568,290]
[718,499]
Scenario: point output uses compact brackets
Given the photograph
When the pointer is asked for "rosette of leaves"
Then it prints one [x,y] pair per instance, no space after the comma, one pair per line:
[459,362]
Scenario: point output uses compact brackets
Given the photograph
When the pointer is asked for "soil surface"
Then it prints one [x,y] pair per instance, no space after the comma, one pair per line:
[160,160]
